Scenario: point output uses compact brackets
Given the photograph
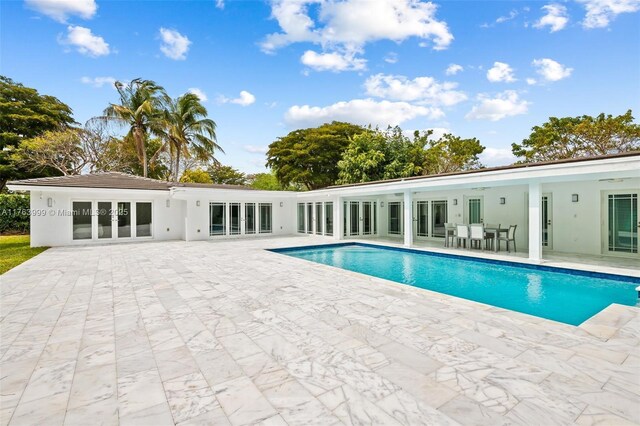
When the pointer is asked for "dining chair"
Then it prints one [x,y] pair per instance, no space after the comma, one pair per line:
[462,234]
[477,234]
[509,238]
[490,233]
[449,233]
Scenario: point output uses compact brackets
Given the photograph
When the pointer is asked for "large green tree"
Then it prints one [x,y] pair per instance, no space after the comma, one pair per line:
[139,110]
[583,136]
[187,131]
[377,155]
[310,156]
[226,175]
[25,114]
[61,150]
[451,153]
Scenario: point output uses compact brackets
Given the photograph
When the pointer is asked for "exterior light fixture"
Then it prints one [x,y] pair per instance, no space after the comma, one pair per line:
[574,198]
[503,200]
[281,204]
[198,203]
[168,202]
[455,201]
[49,202]
[381,204]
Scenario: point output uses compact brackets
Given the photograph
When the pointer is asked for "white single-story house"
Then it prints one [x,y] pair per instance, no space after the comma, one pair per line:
[578,206]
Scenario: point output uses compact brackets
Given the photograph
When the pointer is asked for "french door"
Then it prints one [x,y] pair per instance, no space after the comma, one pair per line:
[621,223]
[239,218]
[360,218]
[547,221]
[430,217]
[106,220]
[474,212]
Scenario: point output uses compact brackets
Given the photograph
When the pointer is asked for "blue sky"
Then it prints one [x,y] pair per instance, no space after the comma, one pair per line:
[490,70]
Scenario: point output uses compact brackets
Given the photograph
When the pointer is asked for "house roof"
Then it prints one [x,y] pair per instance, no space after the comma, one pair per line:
[115,180]
[493,169]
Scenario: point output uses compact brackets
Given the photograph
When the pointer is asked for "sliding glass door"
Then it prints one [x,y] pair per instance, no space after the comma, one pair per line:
[319,221]
[395,218]
[124,219]
[328,218]
[81,220]
[301,223]
[622,223]
[250,218]
[265,218]
[438,218]
[105,219]
[422,215]
[217,219]
[234,218]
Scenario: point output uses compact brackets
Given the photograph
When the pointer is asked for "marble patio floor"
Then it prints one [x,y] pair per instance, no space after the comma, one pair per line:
[225,332]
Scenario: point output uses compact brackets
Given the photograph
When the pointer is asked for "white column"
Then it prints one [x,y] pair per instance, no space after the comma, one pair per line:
[338,218]
[408,218]
[535,222]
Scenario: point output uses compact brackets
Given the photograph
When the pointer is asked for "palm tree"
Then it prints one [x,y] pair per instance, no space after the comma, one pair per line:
[140,101]
[187,131]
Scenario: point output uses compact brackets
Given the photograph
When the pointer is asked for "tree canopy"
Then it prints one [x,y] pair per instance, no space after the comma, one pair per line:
[583,136]
[25,114]
[377,155]
[310,156]
[226,175]
[196,176]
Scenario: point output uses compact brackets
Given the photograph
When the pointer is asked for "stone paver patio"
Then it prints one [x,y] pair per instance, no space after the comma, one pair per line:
[228,333]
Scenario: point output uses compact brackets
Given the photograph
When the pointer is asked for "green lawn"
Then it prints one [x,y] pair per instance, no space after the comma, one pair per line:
[14,249]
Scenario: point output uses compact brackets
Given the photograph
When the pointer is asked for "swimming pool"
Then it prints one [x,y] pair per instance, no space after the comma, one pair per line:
[562,295]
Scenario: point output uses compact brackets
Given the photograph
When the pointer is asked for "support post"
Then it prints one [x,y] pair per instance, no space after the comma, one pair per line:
[408,218]
[338,218]
[535,222]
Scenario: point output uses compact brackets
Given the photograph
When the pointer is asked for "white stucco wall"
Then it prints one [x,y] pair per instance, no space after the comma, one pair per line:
[50,226]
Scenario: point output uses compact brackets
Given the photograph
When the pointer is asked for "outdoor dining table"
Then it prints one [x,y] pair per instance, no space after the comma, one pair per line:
[495,231]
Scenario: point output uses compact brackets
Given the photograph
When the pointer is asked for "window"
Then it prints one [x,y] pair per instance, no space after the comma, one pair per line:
[124,220]
[265,217]
[143,219]
[422,208]
[438,218]
[105,221]
[344,218]
[217,219]
[234,218]
[319,220]
[395,217]
[354,213]
[623,222]
[301,227]
[375,218]
[81,220]
[309,218]
[250,218]
[328,218]
[366,218]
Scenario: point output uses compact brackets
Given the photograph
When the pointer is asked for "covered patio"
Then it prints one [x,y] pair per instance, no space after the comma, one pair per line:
[586,211]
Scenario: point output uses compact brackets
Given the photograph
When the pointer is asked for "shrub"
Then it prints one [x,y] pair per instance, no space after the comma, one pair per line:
[14,213]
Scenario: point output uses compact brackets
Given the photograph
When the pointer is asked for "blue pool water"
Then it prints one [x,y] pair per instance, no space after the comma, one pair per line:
[558,294]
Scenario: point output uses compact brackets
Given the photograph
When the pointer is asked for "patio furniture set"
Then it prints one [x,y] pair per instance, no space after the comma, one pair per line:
[476,234]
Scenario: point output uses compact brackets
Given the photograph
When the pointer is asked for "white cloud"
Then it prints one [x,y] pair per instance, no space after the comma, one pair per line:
[174,45]
[423,90]
[335,62]
[556,17]
[453,69]
[551,70]
[347,26]
[391,58]
[500,72]
[360,111]
[256,149]
[497,157]
[98,81]
[508,17]
[85,41]
[505,104]
[601,12]
[199,93]
[220,4]
[245,99]
[531,81]
[60,10]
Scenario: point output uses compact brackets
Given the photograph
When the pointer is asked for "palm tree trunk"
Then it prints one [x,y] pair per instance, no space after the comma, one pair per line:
[142,151]
[176,177]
